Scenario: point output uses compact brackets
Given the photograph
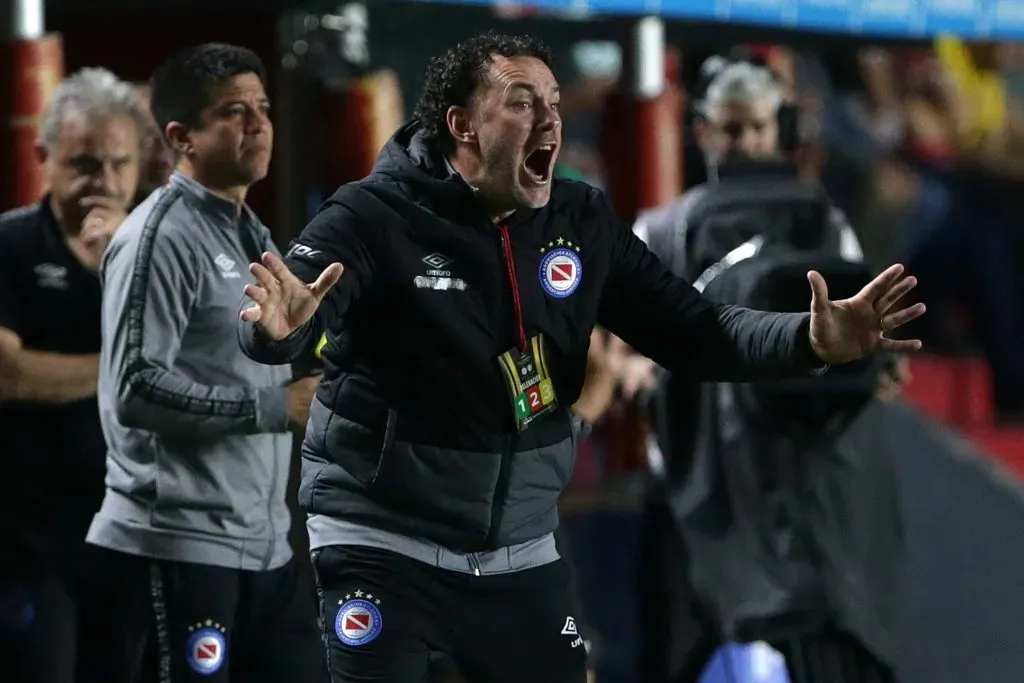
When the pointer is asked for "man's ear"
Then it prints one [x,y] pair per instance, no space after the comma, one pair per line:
[179,138]
[700,132]
[40,152]
[460,124]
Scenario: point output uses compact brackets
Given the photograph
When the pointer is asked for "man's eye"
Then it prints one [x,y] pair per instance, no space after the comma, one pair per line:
[87,166]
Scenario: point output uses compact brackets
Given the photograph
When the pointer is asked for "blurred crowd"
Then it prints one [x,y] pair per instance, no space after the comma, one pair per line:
[919,147]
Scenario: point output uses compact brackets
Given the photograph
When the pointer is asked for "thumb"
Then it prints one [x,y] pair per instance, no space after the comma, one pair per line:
[327,279]
[94,235]
[819,291]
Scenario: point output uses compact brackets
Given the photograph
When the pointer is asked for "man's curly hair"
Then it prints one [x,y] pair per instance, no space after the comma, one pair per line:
[453,77]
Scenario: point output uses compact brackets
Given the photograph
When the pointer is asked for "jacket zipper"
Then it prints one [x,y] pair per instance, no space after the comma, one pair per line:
[501,488]
[513,281]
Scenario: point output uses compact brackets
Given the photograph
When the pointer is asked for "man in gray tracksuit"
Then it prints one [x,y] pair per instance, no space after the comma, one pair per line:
[198,435]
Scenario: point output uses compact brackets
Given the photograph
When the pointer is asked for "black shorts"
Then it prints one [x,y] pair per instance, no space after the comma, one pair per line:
[179,622]
[384,615]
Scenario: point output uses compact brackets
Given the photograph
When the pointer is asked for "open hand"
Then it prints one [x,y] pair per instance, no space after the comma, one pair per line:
[598,390]
[283,302]
[634,372]
[850,329]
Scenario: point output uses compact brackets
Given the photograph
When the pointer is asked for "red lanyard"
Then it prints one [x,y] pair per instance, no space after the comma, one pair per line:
[510,270]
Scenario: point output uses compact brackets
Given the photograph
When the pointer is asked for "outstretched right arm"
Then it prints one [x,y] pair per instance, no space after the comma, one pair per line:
[335,235]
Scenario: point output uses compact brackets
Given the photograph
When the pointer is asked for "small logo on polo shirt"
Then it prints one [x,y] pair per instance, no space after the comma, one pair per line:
[51,276]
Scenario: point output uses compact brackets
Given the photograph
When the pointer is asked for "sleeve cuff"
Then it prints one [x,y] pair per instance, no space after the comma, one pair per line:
[272,410]
[268,351]
[580,425]
[805,355]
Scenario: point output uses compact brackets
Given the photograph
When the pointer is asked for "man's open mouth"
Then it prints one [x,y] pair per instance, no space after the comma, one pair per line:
[538,164]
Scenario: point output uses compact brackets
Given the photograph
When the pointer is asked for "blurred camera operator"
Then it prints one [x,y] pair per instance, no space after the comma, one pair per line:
[737,119]
[50,251]
[739,106]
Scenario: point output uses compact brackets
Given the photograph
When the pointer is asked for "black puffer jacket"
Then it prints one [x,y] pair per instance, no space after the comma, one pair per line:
[414,427]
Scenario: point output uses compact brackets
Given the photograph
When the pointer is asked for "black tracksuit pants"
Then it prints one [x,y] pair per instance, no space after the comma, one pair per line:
[384,614]
[178,622]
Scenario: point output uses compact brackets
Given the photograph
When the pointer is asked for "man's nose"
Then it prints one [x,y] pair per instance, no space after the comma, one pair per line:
[748,142]
[549,118]
[105,179]
[257,121]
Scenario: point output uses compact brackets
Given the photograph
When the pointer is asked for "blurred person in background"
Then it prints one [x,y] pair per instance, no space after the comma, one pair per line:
[736,118]
[593,72]
[51,586]
[832,141]
[965,136]
[194,522]
[157,154]
[878,106]
[737,106]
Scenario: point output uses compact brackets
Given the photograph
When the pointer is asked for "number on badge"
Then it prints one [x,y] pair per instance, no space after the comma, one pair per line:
[522,407]
[535,402]
[547,392]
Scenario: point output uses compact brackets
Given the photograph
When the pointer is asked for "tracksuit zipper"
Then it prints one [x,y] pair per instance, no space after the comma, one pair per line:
[250,244]
[270,512]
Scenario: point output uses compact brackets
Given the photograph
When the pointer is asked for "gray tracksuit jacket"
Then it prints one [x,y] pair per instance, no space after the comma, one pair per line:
[198,447]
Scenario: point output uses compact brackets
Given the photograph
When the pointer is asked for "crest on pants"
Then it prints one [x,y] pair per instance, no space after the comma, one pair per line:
[206,648]
[359,620]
